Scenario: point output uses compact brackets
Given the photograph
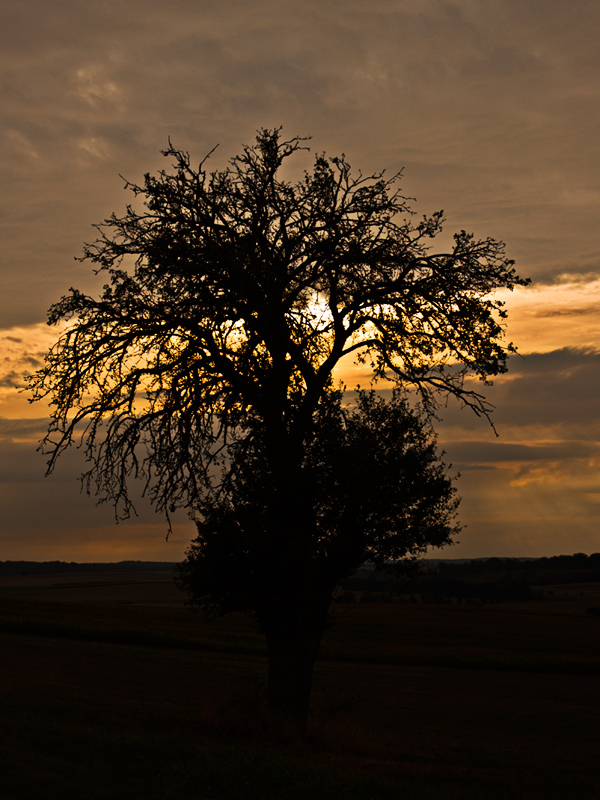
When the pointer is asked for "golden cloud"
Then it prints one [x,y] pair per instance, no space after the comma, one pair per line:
[550,317]
[23,350]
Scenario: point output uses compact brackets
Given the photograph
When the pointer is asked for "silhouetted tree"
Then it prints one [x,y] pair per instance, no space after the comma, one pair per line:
[370,487]
[231,298]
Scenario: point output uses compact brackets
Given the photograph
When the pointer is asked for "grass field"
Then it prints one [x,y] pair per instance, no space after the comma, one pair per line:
[111,688]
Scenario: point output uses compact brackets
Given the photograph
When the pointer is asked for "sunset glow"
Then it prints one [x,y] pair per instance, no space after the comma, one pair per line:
[491,112]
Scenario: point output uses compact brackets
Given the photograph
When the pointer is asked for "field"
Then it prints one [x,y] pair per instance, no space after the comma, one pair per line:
[112,688]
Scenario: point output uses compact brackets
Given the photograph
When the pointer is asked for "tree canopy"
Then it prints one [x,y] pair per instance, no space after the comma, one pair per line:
[206,369]
[377,489]
[237,291]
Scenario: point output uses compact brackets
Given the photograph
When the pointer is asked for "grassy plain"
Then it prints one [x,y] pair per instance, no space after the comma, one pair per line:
[112,688]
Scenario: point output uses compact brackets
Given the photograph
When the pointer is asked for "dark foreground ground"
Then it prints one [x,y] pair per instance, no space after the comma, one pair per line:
[110,689]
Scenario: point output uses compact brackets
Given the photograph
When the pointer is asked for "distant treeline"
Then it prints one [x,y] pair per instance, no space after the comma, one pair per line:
[492,580]
[433,588]
[48,567]
[478,565]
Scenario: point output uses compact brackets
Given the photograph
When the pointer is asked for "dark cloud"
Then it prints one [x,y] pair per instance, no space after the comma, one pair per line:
[531,514]
[552,388]
[491,107]
[478,452]
[10,379]
[20,463]
[492,112]
[49,517]
[560,388]
[23,428]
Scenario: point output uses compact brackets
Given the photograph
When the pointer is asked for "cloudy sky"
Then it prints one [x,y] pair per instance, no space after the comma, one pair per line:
[491,108]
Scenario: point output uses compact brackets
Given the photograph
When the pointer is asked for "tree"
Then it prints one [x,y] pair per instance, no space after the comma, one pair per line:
[371,488]
[231,298]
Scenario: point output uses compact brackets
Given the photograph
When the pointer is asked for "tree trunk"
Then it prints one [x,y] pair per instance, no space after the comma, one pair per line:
[297,590]
[293,623]
[291,664]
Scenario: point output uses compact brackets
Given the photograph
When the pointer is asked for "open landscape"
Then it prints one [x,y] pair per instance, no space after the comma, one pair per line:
[111,687]
[302,293]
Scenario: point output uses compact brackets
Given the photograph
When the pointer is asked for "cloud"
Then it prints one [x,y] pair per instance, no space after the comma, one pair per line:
[49,517]
[547,316]
[556,390]
[9,379]
[23,430]
[19,462]
[496,452]
[22,352]
[92,146]
[490,107]
[49,514]
[552,388]
[535,489]
[94,85]
[528,518]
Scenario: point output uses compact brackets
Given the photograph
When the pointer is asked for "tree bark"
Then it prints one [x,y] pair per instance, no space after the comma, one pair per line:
[291,665]
[297,589]
[293,626]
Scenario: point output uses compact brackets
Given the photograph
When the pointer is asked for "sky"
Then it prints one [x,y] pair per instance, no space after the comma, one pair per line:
[490,108]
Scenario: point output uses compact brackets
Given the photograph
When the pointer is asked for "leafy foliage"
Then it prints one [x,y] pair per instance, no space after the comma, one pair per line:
[377,492]
[237,291]
[205,369]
